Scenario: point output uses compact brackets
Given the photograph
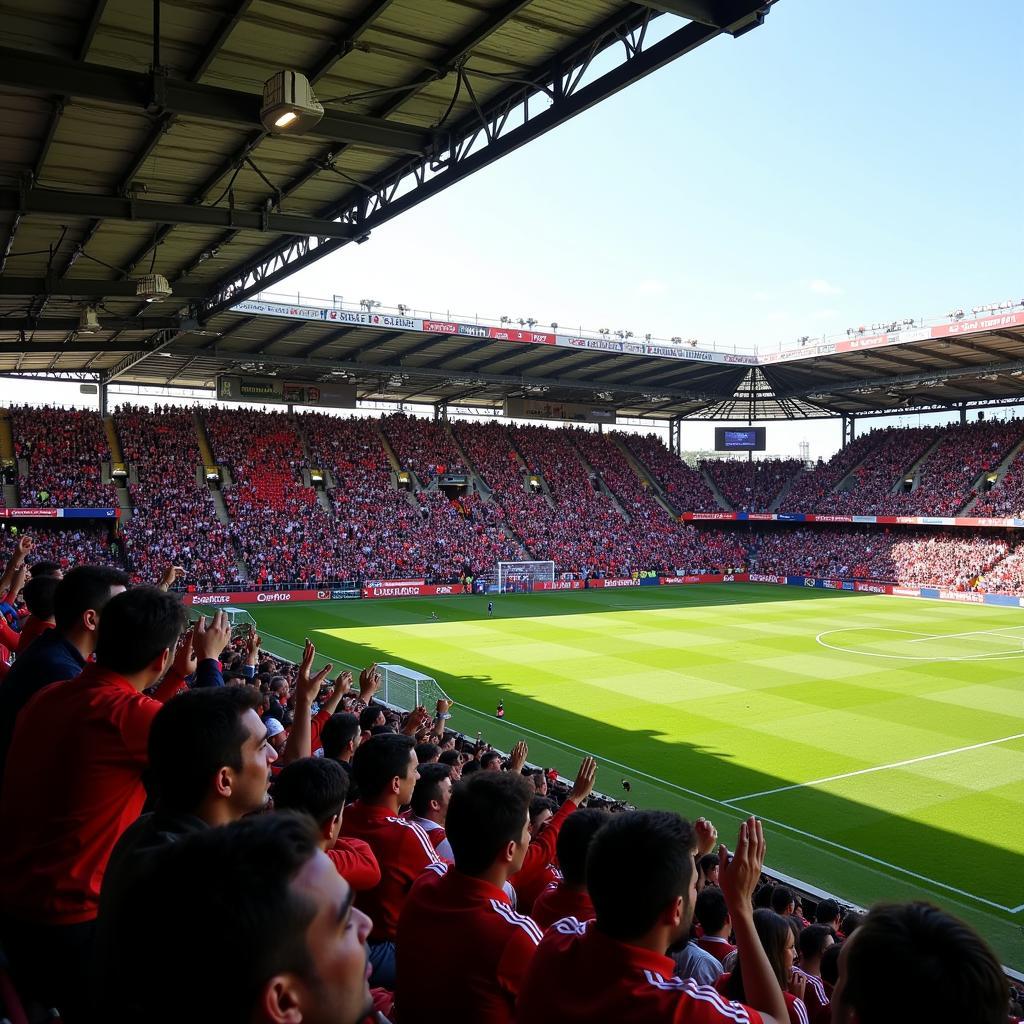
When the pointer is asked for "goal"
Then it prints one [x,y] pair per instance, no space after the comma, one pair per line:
[516,577]
[405,688]
[239,619]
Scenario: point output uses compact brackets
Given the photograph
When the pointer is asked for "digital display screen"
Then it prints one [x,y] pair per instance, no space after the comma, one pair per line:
[739,439]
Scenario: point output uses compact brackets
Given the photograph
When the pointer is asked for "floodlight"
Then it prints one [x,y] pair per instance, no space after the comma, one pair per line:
[88,321]
[152,288]
[289,103]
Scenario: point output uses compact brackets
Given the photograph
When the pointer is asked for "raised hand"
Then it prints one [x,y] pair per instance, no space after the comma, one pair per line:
[185,661]
[517,758]
[307,686]
[210,640]
[252,646]
[369,683]
[170,576]
[707,836]
[343,683]
[415,721]
[585,778]
[738,877]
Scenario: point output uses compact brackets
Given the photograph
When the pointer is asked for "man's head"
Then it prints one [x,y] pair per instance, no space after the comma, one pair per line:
[427,753]
[80,599]
[813,942]
[39,594]
[385,769]
[277,735]
[209,755]
[827,912]
[45,568]
[941,963]
[138,632]
[340,736]
[658,848]
[540,782]
[371,717]
[488,823]
[280,689]
[316,786]
[574,839]
[709,868]
[711,912]
[783,900]
[542,810]
[290,947]
[491,761]
[433,792]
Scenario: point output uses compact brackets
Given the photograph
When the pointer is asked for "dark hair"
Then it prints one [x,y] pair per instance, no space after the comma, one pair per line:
[489,758]
[772,929]
[427,752]
[708,863]
[852,920]
[486,812]
[85,587]
[192,737]
[763,896]
[341,729]
[658,846]
[368,716]
[812,940]
[43,568]
[826,911]
[39,593]
[136,627]
[710,910]
[782,897]
[540,804]
[830,964]
[470,768]
[315,785]
[449,757]
[574,839]
[383,730]
[931,952]
[231,885]
[379,760]
[428,787]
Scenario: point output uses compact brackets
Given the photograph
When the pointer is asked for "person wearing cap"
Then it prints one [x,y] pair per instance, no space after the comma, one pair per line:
[277,736]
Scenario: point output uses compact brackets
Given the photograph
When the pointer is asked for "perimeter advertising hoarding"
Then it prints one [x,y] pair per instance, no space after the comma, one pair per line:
[539,409]
[256,597]
[273,390]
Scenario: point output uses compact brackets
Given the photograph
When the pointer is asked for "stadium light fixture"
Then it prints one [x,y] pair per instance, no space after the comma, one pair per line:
[506,320]
[647,337]
[89,321]
[554,325]
[153,288]
[289,103]
[369,304]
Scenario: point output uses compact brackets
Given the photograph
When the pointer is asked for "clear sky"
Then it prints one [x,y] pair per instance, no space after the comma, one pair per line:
[843,163]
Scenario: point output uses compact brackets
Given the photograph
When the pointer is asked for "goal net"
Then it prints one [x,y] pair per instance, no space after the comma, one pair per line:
[519,577]
[241,621]
[405,688]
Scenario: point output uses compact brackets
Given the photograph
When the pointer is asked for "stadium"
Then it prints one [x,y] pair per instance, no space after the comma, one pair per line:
[485,537]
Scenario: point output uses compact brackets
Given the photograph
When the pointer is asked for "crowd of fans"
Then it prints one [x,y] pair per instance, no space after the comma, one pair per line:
[751,486]
[63,449]
[422,446]
[686,488]
[224,836]
[173,520]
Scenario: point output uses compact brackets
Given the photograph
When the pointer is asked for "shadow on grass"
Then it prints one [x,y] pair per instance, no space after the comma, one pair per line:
[856,851]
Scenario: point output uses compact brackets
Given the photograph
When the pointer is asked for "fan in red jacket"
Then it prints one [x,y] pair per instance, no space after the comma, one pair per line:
[642,879]
[385,771]
[569,898]
[465,908]
[317,786]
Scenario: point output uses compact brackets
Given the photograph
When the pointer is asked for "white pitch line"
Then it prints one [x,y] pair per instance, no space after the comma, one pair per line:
[876,768]
[1015,655]
[975,632]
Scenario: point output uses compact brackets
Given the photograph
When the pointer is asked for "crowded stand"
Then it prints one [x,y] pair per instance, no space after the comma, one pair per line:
[875,478]
[810,490]
[1006,498]
[173,517]
[751,486]
[276,522]
[949,475]
[947,558]
[64,449]
[686,488]
[322,842]
[69,545]
[421,446]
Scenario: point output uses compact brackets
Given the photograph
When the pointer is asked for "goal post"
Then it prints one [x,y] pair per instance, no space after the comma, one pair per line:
[238,618]
[406,688]
[516,577]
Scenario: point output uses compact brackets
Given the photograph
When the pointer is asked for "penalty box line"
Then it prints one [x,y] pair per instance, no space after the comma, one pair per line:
[876,768]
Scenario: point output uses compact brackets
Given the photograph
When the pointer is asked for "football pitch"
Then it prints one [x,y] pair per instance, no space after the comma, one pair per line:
[881,740]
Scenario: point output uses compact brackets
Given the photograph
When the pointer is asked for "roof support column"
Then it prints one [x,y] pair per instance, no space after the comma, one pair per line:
[963,413]
[675,436]
[849,428]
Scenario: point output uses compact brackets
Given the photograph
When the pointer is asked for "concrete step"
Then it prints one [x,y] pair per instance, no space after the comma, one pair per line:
[713,487]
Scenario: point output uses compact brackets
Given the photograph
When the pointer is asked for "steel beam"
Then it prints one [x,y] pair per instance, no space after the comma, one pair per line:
[158,93]
[86,287]
[728,15]
[56,203]
[34,347]
[504,125]
[107,323]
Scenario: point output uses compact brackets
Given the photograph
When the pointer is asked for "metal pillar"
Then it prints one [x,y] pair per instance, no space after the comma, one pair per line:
[440,412]
[101,392]
[849,427]
[963,413]
[675,436]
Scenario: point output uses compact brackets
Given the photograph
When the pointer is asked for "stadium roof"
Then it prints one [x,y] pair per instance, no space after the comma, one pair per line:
[110,171]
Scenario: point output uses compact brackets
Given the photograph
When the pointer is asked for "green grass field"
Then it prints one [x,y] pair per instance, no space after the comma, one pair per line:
[881,740]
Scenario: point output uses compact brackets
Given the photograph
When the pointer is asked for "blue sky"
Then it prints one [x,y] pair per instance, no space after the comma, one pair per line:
[843,163]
